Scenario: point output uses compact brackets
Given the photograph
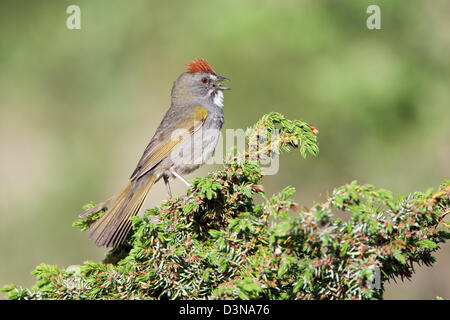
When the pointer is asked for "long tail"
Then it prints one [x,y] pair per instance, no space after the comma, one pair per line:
[111,229]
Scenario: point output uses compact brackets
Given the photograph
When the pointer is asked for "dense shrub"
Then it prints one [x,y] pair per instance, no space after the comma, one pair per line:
[229,240]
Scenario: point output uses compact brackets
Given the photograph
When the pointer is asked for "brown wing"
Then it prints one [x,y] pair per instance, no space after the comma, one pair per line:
[189,120]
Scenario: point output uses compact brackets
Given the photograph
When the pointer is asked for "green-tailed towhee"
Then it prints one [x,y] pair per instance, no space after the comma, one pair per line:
[184,140]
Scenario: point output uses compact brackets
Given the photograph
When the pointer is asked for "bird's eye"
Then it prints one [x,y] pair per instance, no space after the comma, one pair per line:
[204,80]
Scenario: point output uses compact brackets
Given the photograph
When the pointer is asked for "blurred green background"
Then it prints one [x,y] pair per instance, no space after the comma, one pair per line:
[77,107]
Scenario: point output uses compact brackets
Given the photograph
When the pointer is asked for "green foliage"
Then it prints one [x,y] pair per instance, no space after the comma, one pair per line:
[229,240]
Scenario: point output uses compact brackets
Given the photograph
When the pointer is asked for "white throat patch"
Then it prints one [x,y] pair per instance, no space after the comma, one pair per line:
[218,98]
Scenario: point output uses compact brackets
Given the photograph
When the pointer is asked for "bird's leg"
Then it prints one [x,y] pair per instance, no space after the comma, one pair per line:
[166,182]
[180,177]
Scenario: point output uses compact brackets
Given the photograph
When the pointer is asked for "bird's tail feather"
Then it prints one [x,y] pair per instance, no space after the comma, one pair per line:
[111,229]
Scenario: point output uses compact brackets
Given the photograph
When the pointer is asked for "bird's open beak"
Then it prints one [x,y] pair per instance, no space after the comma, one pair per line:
[221,87]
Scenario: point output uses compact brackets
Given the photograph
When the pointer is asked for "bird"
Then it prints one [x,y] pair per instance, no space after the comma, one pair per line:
[184,140]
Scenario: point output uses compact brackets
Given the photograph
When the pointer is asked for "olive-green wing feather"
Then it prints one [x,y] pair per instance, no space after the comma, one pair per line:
[184,122]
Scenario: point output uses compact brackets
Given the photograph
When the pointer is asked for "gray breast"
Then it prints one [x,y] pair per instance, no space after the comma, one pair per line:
[194,152]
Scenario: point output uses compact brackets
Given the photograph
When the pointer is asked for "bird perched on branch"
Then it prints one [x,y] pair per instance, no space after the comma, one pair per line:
[184,140]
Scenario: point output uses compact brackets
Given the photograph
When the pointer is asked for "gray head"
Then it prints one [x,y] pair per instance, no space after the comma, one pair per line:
[199,84]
